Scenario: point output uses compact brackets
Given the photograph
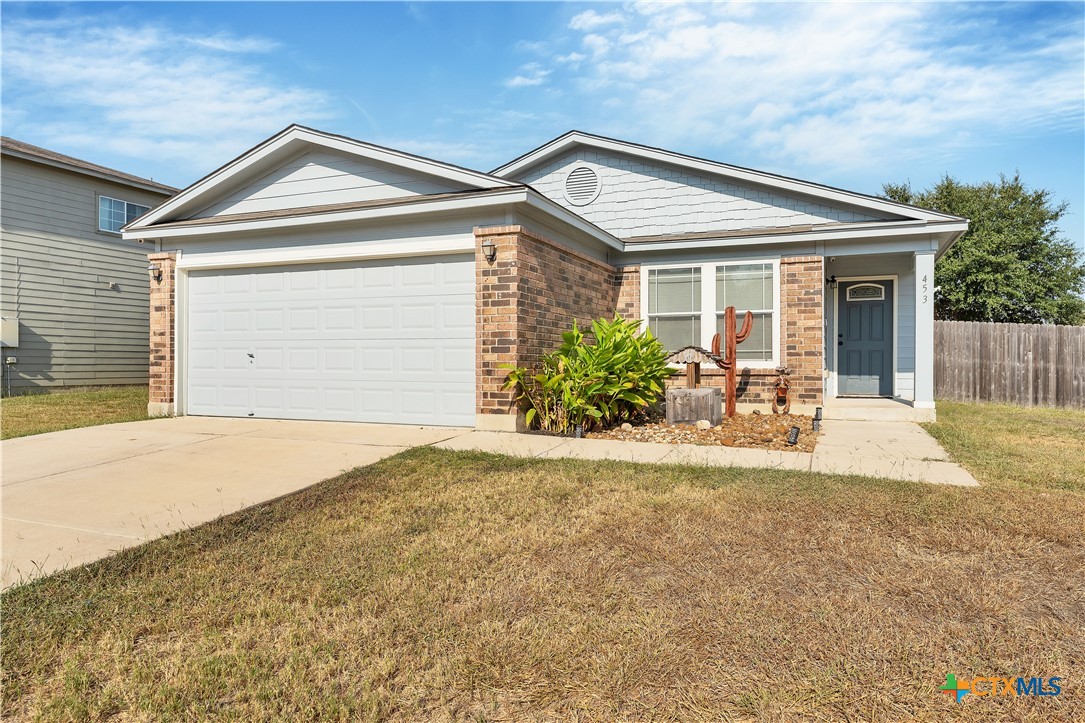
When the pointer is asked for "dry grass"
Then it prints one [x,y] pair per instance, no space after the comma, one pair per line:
[451,586]
[70,408]
[1001,444]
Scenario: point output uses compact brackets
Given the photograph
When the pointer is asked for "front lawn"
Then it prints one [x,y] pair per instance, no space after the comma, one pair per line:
[70,408]
[1035,447]
[438,585]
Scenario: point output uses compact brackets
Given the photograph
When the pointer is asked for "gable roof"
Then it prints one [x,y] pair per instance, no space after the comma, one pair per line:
[574,138]
[290,141]
[27,151]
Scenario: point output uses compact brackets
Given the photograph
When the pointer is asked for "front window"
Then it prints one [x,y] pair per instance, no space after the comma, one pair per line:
[113,213]
[748,287]
[685,306]
[674,306]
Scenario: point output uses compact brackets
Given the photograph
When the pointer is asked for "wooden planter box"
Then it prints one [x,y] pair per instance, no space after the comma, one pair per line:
[687,406]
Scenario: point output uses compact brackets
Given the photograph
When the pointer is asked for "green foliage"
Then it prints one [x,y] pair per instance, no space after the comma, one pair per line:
[1011,265]
[600,384]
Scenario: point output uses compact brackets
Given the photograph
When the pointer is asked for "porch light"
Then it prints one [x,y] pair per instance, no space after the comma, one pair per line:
[817,414]
[831,281]
[489,250]
[155,272]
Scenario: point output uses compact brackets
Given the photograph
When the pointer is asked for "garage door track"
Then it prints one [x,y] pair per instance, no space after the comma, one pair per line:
[75,496]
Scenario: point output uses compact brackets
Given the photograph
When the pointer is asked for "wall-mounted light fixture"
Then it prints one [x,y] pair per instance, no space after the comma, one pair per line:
[155,272]
[831,281]
[489,250]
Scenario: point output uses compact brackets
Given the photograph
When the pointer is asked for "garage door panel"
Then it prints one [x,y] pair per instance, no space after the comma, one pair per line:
[384,342]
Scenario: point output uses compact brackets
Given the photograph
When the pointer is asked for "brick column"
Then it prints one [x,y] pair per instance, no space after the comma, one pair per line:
[628,281]
[160,402]
[497,299]
[525,299]
[802,327]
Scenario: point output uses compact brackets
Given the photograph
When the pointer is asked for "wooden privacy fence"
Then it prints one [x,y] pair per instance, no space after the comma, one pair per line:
[1026,364]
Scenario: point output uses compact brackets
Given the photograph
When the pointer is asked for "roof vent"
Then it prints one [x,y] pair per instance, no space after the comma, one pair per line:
[581,186]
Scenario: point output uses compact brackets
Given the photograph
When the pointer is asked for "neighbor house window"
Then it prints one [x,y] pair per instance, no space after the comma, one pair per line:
[674,306]
[114,213]
[748,287]
[685,306]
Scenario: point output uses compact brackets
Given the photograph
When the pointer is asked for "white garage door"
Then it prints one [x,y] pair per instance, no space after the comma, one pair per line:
[384,341]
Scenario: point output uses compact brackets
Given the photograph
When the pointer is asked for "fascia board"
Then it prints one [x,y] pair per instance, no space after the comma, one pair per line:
[365,214]
[203,187]
[858,234]
[151,186]
[538,201]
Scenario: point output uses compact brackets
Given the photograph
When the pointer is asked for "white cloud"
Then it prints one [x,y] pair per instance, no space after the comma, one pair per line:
[833,86]
[146,92]
[529,75]
[590,20]
[596,44]
[573,57]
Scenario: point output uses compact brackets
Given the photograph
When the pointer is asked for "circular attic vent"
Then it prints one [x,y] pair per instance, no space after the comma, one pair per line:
[581,186]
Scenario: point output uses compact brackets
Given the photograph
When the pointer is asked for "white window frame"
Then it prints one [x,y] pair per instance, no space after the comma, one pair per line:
[98,210]
[708,302]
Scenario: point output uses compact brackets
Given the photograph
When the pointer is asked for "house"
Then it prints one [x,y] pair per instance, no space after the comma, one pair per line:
[320,277]
[73,291]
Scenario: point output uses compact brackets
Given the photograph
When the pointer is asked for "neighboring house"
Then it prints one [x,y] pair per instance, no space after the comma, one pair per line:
[73,292]
[319,277]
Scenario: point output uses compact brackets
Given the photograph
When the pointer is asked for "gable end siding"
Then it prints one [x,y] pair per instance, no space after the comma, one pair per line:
[643,199]
[318,178]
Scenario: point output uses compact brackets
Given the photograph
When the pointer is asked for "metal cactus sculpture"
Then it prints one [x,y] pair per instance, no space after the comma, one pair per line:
[728,360]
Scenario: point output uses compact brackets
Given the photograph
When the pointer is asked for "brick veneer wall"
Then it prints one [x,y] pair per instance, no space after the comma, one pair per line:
[801,330]
[525,300]
[160,401]
[802,327]
[628,282]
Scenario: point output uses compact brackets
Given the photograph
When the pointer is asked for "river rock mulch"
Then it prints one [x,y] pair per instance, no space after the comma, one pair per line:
[756,431]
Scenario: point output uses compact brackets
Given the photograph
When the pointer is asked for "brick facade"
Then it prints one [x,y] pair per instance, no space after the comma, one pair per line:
[802,327]
[801,335]
[163,303]
[528,296]
[628,281]
[525,299]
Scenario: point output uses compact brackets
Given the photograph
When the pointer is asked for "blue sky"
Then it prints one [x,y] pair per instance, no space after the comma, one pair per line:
[851,95]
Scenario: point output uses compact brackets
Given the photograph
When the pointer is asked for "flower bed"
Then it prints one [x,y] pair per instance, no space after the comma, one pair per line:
[757,431]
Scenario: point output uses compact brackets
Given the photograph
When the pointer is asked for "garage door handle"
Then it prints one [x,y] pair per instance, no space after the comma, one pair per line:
[251,356]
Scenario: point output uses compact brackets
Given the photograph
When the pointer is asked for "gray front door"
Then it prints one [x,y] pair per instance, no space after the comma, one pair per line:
[865,338]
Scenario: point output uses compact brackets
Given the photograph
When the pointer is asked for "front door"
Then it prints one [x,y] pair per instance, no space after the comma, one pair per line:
[865,338]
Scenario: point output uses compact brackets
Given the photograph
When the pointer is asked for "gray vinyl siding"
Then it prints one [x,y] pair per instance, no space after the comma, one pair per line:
[318,178]
[637,198]
[55,274]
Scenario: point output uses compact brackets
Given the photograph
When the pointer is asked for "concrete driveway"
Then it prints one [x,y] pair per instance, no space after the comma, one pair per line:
[72,497]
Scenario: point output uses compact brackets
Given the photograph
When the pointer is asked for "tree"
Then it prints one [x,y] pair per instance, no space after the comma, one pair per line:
[1012,265]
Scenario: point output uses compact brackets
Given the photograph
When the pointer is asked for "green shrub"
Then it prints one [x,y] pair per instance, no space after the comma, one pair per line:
[608,382]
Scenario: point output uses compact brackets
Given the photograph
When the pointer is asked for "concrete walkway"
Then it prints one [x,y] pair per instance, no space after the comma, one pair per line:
[895,450]
[72,497]
[75,496]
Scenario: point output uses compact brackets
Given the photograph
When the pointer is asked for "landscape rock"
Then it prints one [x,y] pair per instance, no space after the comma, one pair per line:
[627,427]
[703,424]
[757,431]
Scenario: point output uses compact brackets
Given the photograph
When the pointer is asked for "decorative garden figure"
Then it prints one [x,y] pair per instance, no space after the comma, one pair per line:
[728,360]
[781,399]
